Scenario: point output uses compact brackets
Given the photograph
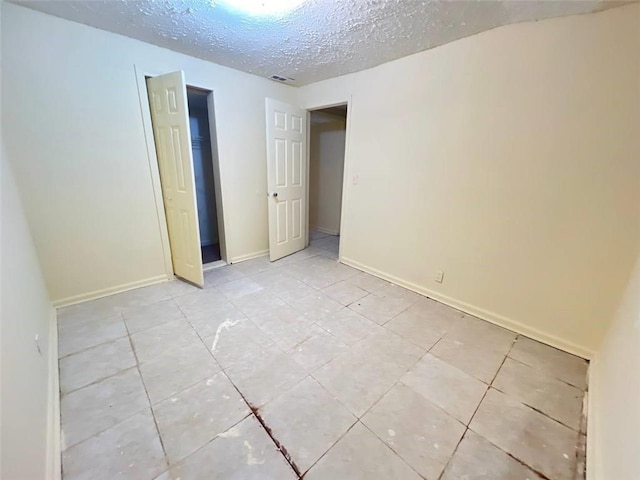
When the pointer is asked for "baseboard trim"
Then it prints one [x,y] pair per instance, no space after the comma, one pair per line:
[476,311]
[324,230]
[54,448]
[593,407]
[84,297]
[249,256]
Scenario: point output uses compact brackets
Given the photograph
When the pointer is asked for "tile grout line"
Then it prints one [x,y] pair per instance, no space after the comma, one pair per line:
[476,411]
[252,409]
[144,385]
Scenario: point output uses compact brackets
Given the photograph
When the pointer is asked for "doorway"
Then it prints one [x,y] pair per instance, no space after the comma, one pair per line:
[203,170]
[183,124]
[327,143]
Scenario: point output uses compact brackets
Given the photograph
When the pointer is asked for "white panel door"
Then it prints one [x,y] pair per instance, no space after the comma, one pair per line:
[286,177]
[170,118]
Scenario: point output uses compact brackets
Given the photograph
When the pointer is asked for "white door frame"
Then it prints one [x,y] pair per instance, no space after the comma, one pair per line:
[141,72]
[345,169]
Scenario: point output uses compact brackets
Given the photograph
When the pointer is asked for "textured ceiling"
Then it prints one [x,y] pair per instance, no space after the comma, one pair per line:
[320,39]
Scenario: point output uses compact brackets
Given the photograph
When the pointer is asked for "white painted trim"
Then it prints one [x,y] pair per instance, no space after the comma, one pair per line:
[249,256]
[213,265]
[479,312]
[345,167]
[593,409]
[141,73]
[323,230]
[65,302]
[54,448]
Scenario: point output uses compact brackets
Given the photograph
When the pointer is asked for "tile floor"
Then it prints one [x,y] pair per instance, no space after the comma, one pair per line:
[308,367]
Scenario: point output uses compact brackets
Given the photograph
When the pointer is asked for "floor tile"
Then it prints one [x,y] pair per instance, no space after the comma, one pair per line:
[129,450]
[531,437]
[348,326]
[156,341]
[206,322]
[86,312]
[379,309]
[177,287]
[415,329]
[360,377]
[237,342]
[177,369]
[396,291]
[367,282]
[139,297]
[76,336]
[148,316]
[318,349]
[254,266]
[418,431]
[218,276]
[267,378]
[95,363]
[329,243]
[285,325]
[195,416]
[239,288]
[316,235]
[360,455]
[278,283]
[311,345]
[491,337]
[101,405]
[316,306]
[559,364]
[437,315]
[199,301]
[478,459]
[475,358]
[244,452]
[344,292]
[449,388]
[307,420]
[256,303]
[546,394]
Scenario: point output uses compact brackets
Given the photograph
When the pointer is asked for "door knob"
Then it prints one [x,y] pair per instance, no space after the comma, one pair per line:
[274,194]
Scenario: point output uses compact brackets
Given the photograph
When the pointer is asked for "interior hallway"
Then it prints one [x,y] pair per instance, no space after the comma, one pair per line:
[306,366]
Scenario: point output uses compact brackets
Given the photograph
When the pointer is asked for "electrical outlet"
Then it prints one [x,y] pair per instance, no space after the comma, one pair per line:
[439,277]
[356,179]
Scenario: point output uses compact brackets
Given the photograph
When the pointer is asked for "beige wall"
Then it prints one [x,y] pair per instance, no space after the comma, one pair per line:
[511,161]
[75,135]
[326,166]
[614,394]
[26,416]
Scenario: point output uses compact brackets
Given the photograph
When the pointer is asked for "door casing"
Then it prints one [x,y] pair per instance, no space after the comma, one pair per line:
[345,173]
[141,72]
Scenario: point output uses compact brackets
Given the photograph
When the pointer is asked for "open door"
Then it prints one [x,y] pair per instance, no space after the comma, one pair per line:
[170,119]
[286,177]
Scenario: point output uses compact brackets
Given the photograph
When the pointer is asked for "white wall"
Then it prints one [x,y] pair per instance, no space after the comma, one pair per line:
[509,160]
[614,394]
[26,419]
[75,136]
[326,166]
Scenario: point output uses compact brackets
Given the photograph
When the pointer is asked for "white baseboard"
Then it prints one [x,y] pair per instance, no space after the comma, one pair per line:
[328,231]
[54,468]
[84,297]
[593,407]
[479,312]
[249,256]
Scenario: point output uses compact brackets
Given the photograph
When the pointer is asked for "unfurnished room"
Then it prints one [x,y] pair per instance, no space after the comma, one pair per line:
[320,239]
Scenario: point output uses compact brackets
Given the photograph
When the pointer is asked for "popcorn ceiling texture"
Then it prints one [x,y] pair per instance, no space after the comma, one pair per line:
[320,39]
